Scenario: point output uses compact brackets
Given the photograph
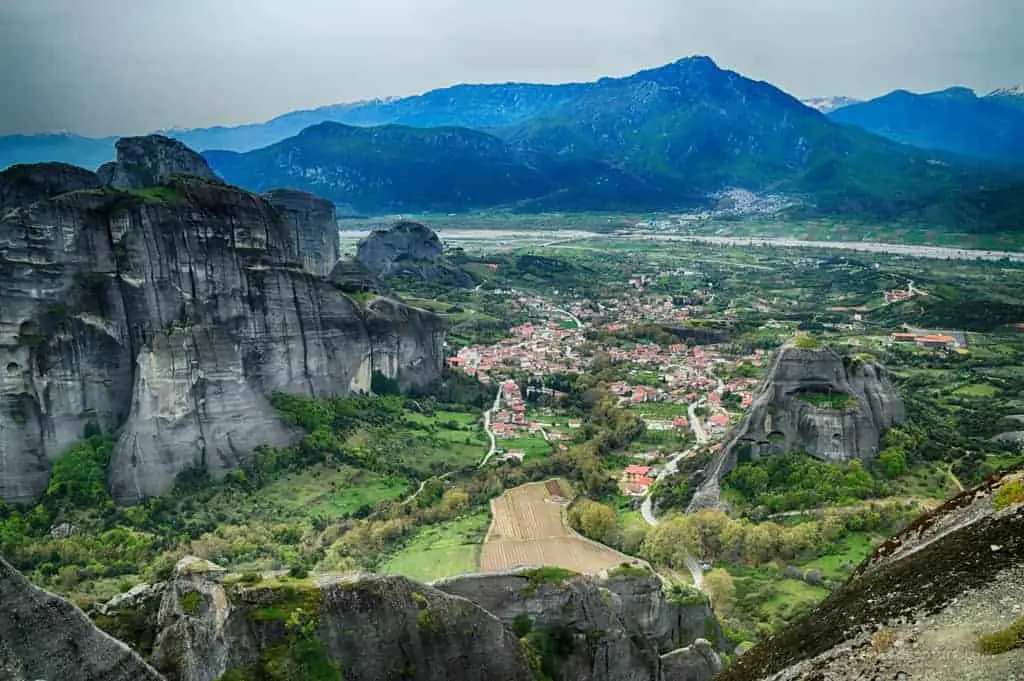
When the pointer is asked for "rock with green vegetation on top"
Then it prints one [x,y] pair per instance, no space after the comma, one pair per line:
[357,628]
[814,401]
[579,627]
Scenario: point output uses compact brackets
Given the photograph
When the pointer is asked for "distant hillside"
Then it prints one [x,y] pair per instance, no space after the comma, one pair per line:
[664,137]
[954,120]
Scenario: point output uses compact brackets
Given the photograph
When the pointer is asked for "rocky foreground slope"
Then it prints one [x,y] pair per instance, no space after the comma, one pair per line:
[165,304]
[916,609]
[814,401]
[206,624]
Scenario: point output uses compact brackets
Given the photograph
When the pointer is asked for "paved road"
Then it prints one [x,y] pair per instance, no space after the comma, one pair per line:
[570,315]
[933,252]
[488,415]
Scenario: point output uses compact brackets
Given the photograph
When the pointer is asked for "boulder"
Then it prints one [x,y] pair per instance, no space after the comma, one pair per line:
[696,662]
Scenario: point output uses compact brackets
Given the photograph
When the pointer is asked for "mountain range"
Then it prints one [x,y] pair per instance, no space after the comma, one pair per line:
[665,137]
[955,120]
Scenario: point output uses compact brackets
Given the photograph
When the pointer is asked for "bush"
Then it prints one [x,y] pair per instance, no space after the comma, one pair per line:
[1003,641]
[807,343]
[1009,494]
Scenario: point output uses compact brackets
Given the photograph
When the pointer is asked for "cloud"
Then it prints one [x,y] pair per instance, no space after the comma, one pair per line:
[124,67]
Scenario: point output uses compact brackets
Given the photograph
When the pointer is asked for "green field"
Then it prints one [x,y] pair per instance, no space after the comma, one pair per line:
[331,492]
[439,551]
[852,549]
[535,446]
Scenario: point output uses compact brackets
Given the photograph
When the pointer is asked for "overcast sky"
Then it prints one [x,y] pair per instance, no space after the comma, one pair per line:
[105,67]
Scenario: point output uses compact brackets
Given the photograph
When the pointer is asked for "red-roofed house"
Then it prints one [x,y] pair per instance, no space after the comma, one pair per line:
[719,420]
[635,473]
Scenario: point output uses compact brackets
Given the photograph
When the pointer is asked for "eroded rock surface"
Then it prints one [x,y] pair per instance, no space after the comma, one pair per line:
[170,314]
[410,250]
[45,638]
[371,628]
[312,222]
[606,630]
[785,418]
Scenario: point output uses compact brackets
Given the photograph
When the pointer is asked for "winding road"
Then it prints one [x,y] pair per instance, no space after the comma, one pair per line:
[488,416]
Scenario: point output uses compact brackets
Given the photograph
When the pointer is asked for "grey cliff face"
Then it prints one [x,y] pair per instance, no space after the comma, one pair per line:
[781,420]
[172,316]
[25,184]
[618,629]
[352,276]
[150,161]
[372,628]
[43,637]
[411,250]
[315,228]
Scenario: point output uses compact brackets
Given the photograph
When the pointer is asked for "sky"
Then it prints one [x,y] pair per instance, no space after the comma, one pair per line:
[122,67]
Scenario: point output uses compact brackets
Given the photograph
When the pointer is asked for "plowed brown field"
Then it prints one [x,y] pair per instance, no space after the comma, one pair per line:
[528,529]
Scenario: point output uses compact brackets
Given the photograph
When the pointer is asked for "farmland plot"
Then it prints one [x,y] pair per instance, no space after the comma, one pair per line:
[528,529]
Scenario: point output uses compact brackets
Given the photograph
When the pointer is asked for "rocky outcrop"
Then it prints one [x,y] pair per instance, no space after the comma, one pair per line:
[916,608]
[150,161]
[369,628]
[352,276]
[25,184]
[607,629]
[697,662]
[44,637]
[410,250]
[312,222]
[170,314]
[813,401]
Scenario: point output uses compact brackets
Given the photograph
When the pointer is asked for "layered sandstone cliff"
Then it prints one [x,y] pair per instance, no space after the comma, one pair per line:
[169,313]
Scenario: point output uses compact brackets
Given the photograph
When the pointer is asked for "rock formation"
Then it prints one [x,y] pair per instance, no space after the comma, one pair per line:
[352,276]
[44,637]
[150,161]
[371,628]
[25,184]
[917,607]
[169,314]
[620,628]
[314,227]
[410,250]
[813,401]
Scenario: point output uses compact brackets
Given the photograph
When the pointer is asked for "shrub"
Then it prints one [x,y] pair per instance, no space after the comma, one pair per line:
[1009,494]
[190,602]
[1003,641]
[807,343]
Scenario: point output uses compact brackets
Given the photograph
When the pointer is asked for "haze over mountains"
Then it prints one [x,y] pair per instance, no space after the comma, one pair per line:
[664,137]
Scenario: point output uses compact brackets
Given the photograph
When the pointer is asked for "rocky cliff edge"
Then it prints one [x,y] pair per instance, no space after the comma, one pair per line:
[169,313]
[918,607]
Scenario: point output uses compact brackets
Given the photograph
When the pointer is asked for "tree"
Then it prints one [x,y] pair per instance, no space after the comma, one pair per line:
[893,462]
[593,520]
[718,584]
